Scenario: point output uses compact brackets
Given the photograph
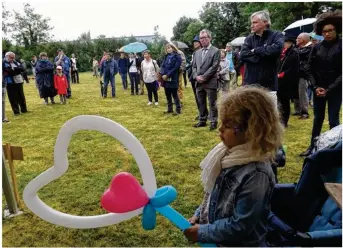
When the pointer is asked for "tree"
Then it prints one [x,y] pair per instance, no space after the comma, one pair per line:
[224,20]
[31,28]
[5,15]
[85,37]
[181,27]
[193,29]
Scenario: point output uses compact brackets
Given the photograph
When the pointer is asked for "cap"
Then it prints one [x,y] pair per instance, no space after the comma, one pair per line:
[59,67]
[196,38]
[291,38]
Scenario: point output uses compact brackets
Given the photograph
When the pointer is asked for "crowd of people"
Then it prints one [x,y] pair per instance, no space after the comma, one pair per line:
[275,68]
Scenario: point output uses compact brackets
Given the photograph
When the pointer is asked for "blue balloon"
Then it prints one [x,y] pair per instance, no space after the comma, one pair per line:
[149,217]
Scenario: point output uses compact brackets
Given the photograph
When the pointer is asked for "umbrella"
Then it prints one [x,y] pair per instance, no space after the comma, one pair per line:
[301,26]
[135,47]
[238,41]
[179,44]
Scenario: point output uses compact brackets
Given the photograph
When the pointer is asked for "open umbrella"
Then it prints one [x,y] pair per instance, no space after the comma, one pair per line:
[300,26]
[135,47]
[180,44]
[238,41]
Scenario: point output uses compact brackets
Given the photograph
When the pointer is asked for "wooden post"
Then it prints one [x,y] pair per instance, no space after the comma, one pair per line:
[13,176]
[7,189]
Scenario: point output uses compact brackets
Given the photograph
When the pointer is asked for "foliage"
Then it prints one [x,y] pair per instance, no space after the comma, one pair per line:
[193,29]
[181,27]
[174,147]
[30,29]
[5,15]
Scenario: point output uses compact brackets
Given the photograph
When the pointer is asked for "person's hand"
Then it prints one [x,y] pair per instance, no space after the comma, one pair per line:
[165,77]
[281,75]
[321,92]
[200,79]
[252,50]
[193,220]
[192,233]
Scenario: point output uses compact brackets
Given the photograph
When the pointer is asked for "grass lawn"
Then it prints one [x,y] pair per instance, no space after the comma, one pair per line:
[174,146]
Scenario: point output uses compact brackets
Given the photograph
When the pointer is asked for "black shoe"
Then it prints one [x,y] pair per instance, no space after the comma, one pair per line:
[307,152]
[296,113]
[213,127]
[200,124]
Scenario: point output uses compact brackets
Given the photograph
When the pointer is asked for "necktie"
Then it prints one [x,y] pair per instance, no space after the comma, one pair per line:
[204,50]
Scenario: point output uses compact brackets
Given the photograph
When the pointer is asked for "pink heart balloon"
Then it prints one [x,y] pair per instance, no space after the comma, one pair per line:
[125,194]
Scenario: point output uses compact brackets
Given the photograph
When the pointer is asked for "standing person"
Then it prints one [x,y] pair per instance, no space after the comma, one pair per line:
[11,72]
[182,69]
[45,78]
[133,73]
[232,58]
[4,119]
[104,57]
[64,61]
[325,73]
[224,72]
[261,51]
[288,78]
[141,81]
[196,47]
[24,74]
[304,49]
[205,67]
[170,70]
[150,69]
[123,65]
[61,84]
[95,68]
[237,175]
[33,65]
[74,70]
[109,69]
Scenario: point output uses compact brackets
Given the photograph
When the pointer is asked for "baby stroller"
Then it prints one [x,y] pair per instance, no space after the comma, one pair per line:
[303,214]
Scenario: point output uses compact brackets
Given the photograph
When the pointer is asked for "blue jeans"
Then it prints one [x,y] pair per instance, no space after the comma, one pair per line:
[109,80]
[334,100]
[124,79]
[69,88]
[309,94]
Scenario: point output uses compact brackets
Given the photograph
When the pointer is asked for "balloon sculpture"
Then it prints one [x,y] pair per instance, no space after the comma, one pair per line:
[125,198]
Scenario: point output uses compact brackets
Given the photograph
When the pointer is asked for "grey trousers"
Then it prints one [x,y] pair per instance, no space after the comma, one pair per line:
[3,103]
[301,104]
[202,95]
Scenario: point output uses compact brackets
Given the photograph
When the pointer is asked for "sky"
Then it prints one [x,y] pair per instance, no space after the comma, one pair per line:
[70,18]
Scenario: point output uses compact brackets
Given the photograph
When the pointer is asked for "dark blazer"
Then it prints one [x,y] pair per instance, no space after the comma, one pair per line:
[261,63]
[289,65]
[171,67]
[207,67]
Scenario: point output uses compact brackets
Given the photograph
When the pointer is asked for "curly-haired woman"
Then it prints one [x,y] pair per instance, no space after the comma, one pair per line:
[237,175]
[325,73]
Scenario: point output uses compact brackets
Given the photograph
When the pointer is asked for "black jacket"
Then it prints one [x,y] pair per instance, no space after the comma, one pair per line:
[325,67]
[304,55]
[289,65]
[261,63]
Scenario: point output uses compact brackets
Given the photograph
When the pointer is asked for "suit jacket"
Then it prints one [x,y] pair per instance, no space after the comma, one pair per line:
[207,67]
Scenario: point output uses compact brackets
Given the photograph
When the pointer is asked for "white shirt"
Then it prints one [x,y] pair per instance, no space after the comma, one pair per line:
[133,67]
[149,72]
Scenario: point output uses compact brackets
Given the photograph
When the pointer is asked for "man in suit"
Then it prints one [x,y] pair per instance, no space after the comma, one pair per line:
[204,71]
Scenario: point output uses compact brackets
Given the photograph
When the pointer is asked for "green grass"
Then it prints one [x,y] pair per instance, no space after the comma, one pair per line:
[174,147]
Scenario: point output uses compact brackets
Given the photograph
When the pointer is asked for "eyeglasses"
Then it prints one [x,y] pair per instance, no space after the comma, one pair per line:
[201,38]
[329,31]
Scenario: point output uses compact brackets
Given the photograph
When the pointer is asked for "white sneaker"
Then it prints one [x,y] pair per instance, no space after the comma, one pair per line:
[149,103]
[156,103]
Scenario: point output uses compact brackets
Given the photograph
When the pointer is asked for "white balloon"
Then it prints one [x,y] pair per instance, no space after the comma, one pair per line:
[87,122]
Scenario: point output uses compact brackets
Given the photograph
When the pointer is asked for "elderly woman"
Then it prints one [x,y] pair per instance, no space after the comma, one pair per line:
[237,175]
[45,78]
[11,71]
[170,70]
[325,73]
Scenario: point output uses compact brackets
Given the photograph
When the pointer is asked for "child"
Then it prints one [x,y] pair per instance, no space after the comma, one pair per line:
[223,72]
[61,84]
[237,175]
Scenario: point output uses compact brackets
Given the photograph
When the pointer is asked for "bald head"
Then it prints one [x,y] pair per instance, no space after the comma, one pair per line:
[303,39]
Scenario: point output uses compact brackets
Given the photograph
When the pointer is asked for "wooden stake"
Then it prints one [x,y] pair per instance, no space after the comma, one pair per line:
[13,176]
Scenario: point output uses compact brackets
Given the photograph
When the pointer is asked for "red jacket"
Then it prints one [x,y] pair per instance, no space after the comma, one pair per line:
[61,84]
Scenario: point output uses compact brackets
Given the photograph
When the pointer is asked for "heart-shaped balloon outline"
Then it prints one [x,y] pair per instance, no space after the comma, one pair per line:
[101,124]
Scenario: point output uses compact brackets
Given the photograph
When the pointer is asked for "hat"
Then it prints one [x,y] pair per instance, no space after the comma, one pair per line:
[59,67]
[316,37]
[196,38]
[291,38]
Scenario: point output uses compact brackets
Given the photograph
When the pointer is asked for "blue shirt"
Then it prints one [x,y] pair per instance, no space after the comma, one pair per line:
[229,59]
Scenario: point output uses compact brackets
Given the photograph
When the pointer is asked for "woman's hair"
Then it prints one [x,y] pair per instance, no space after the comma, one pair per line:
[333,18]
[222,51]
[43,54]
[147,52]
[175,49]
[254,112]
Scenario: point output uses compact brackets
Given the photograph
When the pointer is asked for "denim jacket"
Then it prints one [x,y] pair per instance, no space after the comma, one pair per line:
[239,205]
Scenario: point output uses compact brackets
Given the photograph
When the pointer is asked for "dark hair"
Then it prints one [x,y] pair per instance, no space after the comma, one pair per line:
[333,18]
[146,51]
